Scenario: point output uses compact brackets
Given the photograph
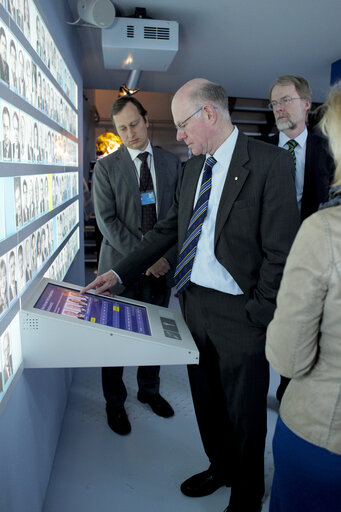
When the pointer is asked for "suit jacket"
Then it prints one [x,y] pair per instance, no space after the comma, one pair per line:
[13,291]
[318,173]
[256,223]
[118,204]
[303,340]
[4,71]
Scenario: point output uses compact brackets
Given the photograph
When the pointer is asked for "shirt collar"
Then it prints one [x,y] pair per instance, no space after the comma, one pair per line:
[300,139]
[227,147]
[135,152]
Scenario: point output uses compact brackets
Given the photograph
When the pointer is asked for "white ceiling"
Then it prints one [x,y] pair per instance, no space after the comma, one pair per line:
[241,44]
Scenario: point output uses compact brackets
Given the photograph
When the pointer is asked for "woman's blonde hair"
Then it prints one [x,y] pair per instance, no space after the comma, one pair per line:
[331,127]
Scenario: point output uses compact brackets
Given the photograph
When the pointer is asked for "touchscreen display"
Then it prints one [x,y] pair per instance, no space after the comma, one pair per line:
[106,311]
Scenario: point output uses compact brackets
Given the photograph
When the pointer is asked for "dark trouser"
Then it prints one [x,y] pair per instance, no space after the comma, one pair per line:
[229,389]
[153,291]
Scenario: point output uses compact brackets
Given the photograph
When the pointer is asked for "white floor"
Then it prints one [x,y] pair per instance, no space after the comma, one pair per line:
[97,470]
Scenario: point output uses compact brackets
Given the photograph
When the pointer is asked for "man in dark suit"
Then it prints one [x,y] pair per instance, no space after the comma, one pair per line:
[127,203]
[12,285]
[16,141]
[229,299]
[6,133]
[4,68]
[13,65]
[290,99]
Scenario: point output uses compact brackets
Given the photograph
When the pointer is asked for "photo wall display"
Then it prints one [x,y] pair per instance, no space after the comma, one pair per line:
[39,167]
[10,354]
[19,265]
[26,140]
[33,196]
[63,261]
[27,17]
[24,77]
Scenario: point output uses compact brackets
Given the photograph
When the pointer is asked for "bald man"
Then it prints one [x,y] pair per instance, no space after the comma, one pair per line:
[228,292]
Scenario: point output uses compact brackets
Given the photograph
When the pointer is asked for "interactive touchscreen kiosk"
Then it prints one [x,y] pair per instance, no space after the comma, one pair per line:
[61,327]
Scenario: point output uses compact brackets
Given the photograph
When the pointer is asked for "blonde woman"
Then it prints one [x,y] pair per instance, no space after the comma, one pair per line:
[304,344]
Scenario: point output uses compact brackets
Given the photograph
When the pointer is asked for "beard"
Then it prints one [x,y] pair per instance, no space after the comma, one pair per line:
[285,124]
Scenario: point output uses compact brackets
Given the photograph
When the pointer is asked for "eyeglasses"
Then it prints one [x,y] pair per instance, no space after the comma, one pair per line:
[283,102]
[182,125]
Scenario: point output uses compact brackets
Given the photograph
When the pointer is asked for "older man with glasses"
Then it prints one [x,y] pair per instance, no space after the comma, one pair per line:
[290,100]
[234,217]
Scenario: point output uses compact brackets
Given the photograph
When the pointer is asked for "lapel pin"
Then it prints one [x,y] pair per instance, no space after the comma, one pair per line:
[236,177]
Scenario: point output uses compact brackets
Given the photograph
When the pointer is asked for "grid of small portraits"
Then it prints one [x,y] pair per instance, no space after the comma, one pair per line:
[33,196]
[10,354]
[24,77]
[63,261]
[27,17]
[26,140]
[21,263]
[33,237]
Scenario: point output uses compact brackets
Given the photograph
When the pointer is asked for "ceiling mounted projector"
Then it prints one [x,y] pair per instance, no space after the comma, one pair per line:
[140,44]
[100,13]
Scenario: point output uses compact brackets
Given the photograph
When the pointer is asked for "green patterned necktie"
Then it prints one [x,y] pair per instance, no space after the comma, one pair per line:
[291,148]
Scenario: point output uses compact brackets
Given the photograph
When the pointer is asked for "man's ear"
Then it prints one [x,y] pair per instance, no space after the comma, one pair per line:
[146,120]
[210,112]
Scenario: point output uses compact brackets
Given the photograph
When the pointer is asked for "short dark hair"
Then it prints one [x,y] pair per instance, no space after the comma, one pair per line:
[121,102]
[12,45]
[5,111]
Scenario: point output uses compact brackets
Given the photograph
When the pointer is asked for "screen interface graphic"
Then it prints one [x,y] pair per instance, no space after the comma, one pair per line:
[110,312]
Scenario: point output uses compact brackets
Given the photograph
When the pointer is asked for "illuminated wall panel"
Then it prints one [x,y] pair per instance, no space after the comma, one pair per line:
[39,167]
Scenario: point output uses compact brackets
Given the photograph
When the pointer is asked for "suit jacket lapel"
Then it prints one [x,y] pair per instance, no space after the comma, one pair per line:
[234,182]
[160,178]
[193,170]
[128,170]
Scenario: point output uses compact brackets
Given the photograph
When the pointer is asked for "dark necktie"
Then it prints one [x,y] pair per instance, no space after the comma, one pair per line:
[148,211]
[186,257]
[291,148]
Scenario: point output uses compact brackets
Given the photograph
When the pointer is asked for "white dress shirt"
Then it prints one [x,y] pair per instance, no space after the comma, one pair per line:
[207,271]
[300,151]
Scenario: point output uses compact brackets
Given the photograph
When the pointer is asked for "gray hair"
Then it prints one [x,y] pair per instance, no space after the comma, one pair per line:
[213,94]
[301,85]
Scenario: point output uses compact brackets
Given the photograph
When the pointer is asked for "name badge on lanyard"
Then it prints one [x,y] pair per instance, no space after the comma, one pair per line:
[147,197]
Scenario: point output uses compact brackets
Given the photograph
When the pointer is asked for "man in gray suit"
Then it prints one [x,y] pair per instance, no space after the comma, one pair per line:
[133,187]
[229,299]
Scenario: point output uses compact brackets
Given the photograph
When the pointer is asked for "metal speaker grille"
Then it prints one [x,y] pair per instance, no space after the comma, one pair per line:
[30,324]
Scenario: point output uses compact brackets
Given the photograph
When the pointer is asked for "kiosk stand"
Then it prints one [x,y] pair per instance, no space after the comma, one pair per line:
[60,327]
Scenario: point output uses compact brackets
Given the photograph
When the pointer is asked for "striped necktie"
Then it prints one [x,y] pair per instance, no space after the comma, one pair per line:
[291,148]
[186,257]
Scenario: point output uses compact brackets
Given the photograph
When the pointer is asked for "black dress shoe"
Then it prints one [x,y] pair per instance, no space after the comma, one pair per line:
[158,404]
[202,484]
[118,420]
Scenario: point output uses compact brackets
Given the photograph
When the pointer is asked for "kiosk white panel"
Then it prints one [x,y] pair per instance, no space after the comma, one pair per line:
[62,328]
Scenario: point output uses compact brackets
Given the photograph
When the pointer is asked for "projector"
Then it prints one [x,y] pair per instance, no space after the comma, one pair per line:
[141,44]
